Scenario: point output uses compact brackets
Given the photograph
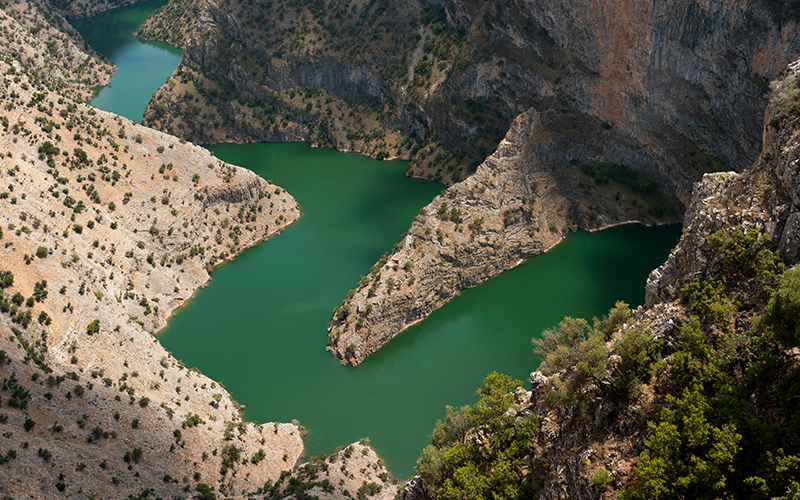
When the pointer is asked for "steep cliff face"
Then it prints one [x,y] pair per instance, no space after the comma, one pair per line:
[764,199]
[682,81]
[671,90]
[694,394]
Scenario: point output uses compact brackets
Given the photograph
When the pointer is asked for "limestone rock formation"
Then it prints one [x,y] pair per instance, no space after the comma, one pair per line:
[682,82]
[764,198]
[518,204]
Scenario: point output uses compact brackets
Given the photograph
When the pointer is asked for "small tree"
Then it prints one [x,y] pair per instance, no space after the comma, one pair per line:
[93,327]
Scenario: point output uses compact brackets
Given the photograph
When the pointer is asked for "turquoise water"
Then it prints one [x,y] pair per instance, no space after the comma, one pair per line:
[142,67]
[260,327]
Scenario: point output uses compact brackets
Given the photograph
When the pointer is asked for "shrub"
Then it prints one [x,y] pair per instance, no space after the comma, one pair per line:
[574,347]
[685,455]
[368,490]
[707,297]
[639,351]
[785,96]
[602,478]
[783,309]
[93,327]
[461,463]
[41,252]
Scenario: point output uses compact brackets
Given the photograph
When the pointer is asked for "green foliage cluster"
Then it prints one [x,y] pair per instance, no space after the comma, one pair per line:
[708,298]
[783,309]
[745,258]
[748,254]
[785,96]
[581,352]
[711,440]
[477,452]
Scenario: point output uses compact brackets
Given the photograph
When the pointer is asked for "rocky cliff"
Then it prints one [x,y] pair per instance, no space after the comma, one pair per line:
[764,199]
[691,396]
[681,81]
[515,206]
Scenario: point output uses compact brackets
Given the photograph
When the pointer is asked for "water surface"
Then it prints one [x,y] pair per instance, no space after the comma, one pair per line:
[142,67]
[259,328]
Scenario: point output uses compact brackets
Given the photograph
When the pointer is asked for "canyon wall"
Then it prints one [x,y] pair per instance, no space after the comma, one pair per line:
[617,406]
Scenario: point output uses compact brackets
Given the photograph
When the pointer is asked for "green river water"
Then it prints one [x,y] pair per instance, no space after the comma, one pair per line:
[142,67]
[259,328]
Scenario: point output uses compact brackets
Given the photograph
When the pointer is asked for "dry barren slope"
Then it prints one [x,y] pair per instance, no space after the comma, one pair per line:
[116,225]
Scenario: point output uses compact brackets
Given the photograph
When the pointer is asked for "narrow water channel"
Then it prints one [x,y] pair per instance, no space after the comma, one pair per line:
[142,67]
[259,328]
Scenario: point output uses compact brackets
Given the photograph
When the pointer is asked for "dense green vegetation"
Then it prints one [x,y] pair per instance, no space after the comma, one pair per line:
[477,452]
[727,419]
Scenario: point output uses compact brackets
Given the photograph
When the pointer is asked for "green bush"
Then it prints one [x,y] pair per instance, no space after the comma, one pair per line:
[708,297]
[577,348]
[464,462]
[686,456]
[783,309]
[639,351]
[602,478]
[747,253]
[93,327]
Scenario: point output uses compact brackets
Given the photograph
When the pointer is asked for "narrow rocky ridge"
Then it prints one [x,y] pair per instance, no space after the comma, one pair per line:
[518,204]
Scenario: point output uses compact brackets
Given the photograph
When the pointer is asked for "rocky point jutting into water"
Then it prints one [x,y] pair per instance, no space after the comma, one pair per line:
[39,40]
[515,206]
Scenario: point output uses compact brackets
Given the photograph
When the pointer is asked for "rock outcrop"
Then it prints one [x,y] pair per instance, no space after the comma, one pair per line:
[764,198]
[518,204]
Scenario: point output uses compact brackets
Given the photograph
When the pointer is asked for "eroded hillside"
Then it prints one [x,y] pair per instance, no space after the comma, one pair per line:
[39,40]
[107,228]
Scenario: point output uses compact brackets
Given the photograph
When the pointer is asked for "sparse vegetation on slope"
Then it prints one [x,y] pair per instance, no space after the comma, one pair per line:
[107,228]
